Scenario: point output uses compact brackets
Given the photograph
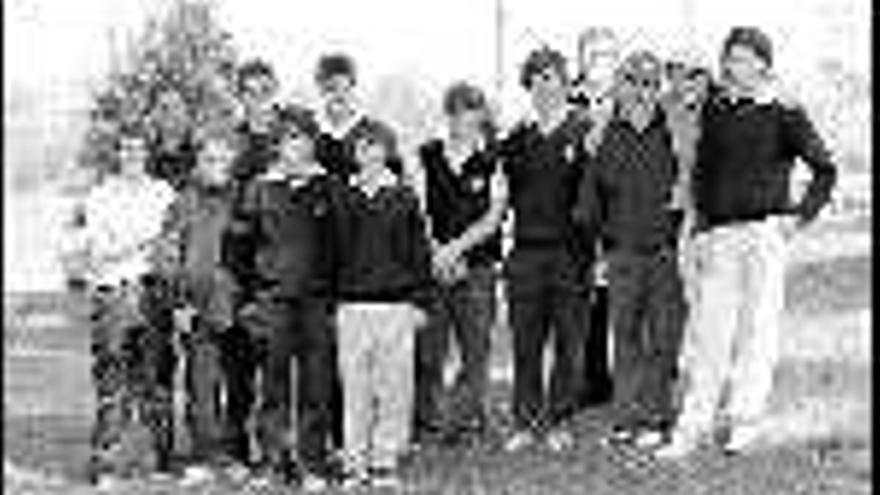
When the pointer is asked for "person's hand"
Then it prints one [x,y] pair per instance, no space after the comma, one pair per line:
[448,264]
[183,318]
[419,317]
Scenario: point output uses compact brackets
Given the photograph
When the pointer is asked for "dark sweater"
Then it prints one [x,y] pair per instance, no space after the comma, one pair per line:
[629,188]
[544,172]
[291,229]
[382,252]
[456,201]
[744,161]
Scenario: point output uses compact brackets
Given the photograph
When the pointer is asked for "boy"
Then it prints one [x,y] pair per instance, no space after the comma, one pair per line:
[464,219]
[383,282]
[196,224]
[549,271]
[336,78]
[287,211]
[750,136]
[257,87]
[629,190]
[133,365]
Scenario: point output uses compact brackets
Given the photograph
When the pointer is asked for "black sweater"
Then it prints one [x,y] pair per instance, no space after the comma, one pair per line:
[381,250]
[744,161]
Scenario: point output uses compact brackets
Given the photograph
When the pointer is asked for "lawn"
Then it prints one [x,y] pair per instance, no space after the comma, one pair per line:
[821,444]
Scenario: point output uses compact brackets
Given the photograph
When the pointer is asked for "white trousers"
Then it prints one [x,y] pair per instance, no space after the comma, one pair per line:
[376,363]
[736,278]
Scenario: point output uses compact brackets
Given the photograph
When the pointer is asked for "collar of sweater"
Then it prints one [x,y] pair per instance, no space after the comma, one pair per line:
[338,130]
[371,183]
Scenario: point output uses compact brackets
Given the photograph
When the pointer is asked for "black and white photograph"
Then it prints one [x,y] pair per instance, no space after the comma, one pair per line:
[459,247]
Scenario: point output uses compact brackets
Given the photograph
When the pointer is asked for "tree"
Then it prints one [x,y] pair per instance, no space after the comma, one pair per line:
[176,80]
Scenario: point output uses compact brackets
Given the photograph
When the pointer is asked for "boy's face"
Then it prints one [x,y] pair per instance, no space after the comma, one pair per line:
[370,154]
[547,90]
[466,122]
[743,67]
[338,94]
[634,91]
[257,92]
[296,149]
[132,155]
[215,162]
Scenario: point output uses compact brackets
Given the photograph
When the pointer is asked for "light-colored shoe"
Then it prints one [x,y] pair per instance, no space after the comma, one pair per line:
[680,446]
[356,480]
[110,483]
[649,439]
[312,483]
[741,438]
[197,475]
[519,441]
[237,472]
[385,480]
[559,440]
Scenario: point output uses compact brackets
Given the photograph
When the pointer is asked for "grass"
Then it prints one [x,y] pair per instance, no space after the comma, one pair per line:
[823,397]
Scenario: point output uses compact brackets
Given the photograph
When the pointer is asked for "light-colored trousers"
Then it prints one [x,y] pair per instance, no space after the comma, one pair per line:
[376,363]
[735,276]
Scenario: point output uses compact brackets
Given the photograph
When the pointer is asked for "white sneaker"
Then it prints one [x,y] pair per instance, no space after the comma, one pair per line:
[559,440]
[109,483]
[680,445]
[519,441]
[355,481]
[649,439]
[237,473]
[196,476]
[741,438]
[312,483]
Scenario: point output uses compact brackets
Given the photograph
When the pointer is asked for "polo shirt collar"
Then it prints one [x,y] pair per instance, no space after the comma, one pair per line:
[340,131]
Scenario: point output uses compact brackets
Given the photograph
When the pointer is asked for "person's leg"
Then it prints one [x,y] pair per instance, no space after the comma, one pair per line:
[355,334]
[432,344]
[204,381]
[273,416]
[598,384]
[529,322]
[394,384]
[627,309]
[570,321]
[757,346]
[665,317]
[474,308]
[709,333]
[238,359]
[314,386]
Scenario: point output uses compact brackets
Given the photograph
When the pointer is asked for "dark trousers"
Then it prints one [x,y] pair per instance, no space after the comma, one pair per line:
[205,382]
[598,383]
[547,293]
[287,329]
[465,310]
[647,316]
[238,359]
[133,374]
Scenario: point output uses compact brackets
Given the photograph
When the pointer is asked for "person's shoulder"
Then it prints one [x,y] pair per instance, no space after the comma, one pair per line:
[431,148]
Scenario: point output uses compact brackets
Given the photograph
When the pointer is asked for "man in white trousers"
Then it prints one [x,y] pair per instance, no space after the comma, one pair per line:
[750,137]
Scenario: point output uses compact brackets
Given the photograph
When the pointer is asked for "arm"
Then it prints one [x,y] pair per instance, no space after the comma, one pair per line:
[418,253]
[489,223]
[804,142]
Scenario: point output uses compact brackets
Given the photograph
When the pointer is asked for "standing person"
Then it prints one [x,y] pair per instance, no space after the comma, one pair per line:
[598,55]
[750,137]
[630,190]
[194,230]
[384,281]
[133,357]
[257,87]
[337,79]
[550,267]
[288,211]
[464,217]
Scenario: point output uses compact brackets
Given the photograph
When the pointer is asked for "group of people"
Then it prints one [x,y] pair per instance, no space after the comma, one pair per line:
[303,238]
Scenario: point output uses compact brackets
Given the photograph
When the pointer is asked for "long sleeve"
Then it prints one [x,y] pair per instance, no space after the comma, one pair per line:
[804,142]
[240,239]
[418,253]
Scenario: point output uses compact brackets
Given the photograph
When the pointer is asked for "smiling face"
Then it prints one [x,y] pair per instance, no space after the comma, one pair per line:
[467,123]
[548,90]
[215,163]
[370,155]
[257,93]
[337,93]
[132,154]
[296,149]
[743,68]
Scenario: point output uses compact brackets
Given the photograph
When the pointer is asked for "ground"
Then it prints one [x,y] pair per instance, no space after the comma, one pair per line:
[820,442]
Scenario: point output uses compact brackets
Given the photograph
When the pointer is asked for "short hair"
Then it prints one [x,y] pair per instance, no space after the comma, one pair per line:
[254,68]
[375,131]
[541,60]
[333,65]
[295,118]
[753,38]
[463,96]
[131,130]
